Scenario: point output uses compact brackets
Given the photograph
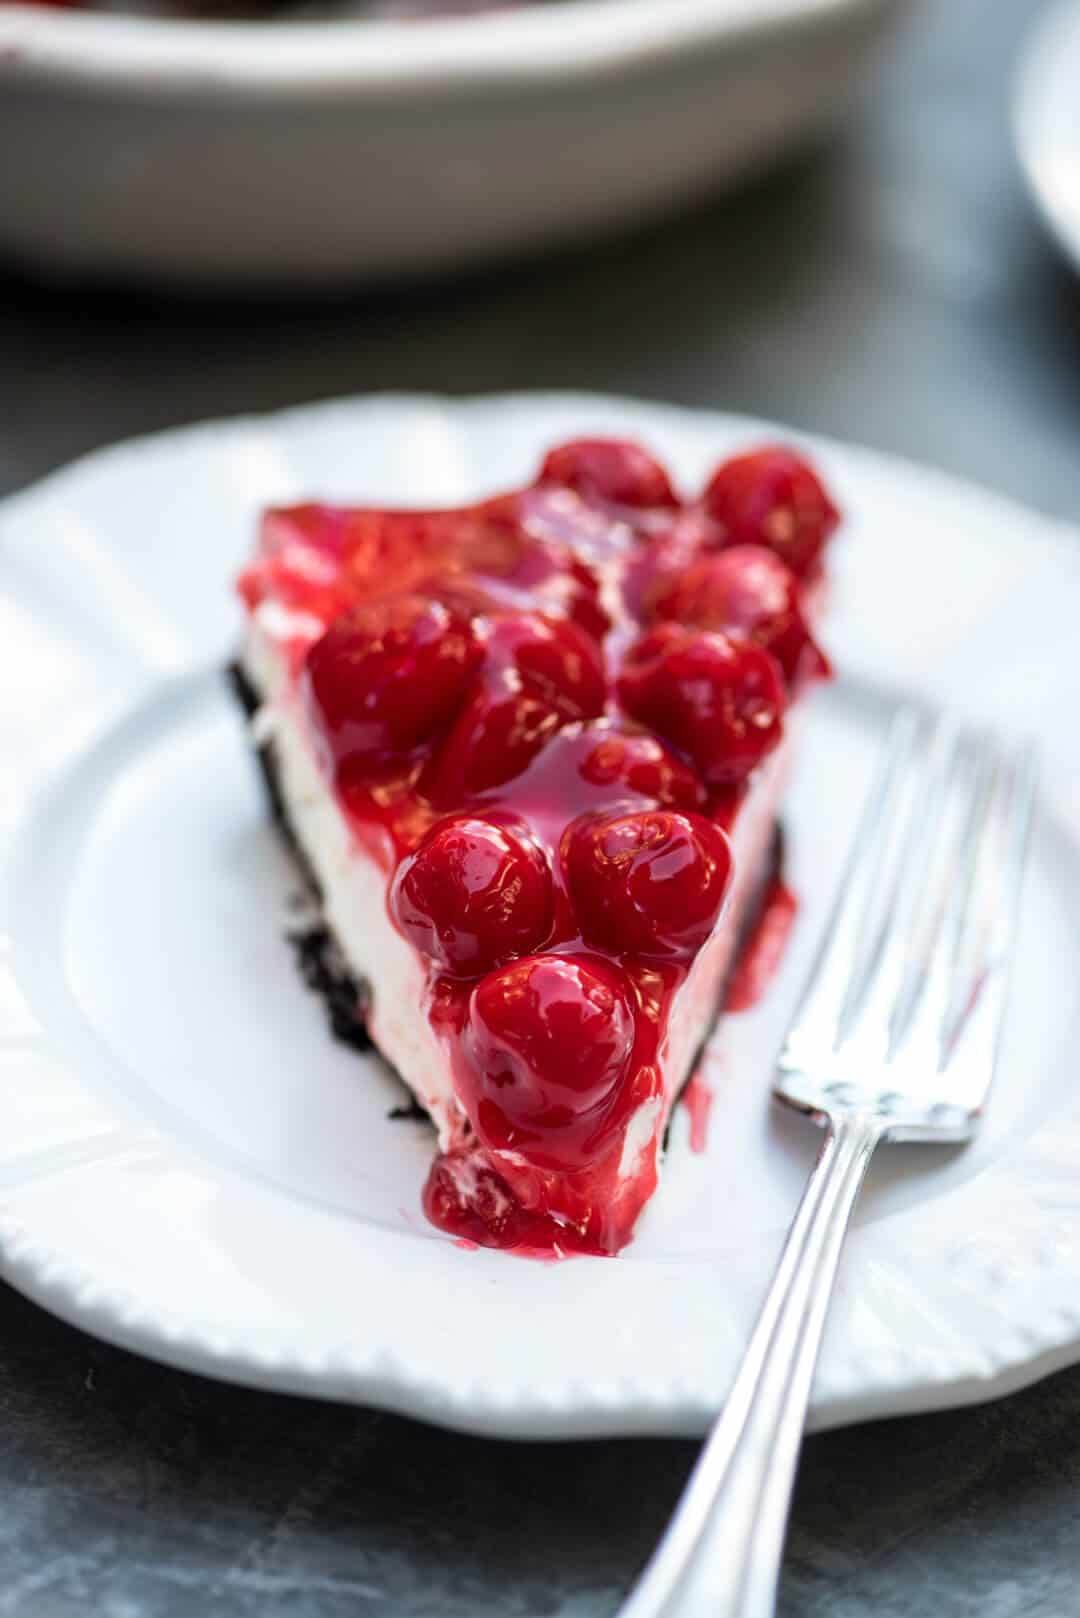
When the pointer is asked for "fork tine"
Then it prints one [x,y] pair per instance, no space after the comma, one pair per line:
[927,1004]
[984,945]
[878,990]
[843,941]
[924,930]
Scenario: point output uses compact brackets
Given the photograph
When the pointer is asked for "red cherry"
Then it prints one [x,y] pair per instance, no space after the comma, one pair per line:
[548,1041]
[648,883]
[772,497]
[552,657]
[746,591]
[720,701]
[466,1198]
[475,894]
[614,756]
[499,733]
[540,674]
[387,675]
[549,573]
[609,469]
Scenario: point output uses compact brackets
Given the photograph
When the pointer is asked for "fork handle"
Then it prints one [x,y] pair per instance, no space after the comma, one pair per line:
[720,1557]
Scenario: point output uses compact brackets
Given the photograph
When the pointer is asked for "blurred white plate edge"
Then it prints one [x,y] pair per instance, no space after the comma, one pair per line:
[1046,121]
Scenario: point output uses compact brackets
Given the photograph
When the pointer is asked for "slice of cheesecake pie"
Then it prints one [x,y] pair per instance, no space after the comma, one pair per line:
[530,752]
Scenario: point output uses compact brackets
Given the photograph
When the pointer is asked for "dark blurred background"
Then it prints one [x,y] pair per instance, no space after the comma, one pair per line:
[894,288]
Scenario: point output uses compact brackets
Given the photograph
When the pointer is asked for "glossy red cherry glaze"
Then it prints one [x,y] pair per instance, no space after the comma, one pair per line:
[543,770]
[615,757]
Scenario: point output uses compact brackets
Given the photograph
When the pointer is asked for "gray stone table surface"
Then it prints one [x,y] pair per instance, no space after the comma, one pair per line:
[892,288]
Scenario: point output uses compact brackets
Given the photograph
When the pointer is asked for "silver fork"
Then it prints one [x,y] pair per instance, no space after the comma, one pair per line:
[895,1040]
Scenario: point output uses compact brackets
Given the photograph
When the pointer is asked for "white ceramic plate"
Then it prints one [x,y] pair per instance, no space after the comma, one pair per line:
[1046,122]
[191,1167]
[289,153]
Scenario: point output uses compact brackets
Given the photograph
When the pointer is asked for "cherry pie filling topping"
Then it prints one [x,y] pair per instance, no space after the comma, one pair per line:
[540,713]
